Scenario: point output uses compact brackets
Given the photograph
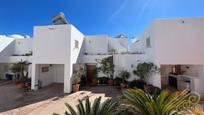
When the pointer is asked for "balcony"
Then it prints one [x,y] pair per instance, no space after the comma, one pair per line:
[14,59]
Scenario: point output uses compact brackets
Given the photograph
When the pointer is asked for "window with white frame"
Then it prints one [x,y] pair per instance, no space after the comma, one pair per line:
[76,44]
[148,42]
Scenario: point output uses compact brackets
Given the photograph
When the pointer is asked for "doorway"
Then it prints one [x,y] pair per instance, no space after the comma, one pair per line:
[91,72]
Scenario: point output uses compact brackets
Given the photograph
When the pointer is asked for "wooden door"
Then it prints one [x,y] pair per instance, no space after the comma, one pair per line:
[91,72]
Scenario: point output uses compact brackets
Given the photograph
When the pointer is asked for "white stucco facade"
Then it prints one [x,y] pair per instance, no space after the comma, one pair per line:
[176,42]
[56,48]
[56,45]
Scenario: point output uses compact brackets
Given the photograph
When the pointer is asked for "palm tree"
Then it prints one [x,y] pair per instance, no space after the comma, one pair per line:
[106,108]
[139,102]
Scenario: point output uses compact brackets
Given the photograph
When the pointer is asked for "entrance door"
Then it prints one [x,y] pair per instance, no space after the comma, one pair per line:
[91,72]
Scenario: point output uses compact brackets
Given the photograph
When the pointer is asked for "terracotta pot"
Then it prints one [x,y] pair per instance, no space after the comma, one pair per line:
[17,82]
[146,88]
[110,82]
[20,85]
[75,88]
[94,81]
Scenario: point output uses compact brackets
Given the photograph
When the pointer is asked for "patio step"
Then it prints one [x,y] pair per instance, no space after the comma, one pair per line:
[93,96]
[80,95]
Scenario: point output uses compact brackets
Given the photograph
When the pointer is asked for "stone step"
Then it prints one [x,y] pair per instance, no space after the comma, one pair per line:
[93,96]
[80,95]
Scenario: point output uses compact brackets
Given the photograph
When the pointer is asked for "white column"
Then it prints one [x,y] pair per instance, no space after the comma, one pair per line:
[67,78]
[33,77]
[155,79]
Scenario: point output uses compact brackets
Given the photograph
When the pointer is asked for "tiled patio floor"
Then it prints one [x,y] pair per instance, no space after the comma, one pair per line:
[11,97]
[51,99]
[110,91]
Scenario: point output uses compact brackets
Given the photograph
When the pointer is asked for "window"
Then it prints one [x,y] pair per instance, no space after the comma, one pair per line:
[76,44]
[45,69]
[148,42]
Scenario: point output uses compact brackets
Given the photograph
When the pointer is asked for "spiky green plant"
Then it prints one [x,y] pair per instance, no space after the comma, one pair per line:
[139,102]
[108,107]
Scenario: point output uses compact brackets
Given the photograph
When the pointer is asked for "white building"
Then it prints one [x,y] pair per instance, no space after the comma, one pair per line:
[13,49]
[174,45]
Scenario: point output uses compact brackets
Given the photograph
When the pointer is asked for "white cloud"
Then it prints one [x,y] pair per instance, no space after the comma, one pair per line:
[118,11]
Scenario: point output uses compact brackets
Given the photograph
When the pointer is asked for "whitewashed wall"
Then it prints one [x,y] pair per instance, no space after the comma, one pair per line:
[51,45]
[6,49]
[127,62]
[75,52]
[46,78]
[74,55]
[54,75]
[179,41]
[96,44]
[176,41]
[56,45]
[23,46]
[123,42]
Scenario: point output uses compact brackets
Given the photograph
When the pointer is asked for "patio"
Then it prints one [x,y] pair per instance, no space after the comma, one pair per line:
[109,91]
[49,99]
[11,97]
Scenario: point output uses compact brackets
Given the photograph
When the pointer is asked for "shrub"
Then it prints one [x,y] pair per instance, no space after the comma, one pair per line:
[77,74]
[124,75]
[152,90]
[137,84]
[117,81]
[144,70]
[103,80]
[106,66]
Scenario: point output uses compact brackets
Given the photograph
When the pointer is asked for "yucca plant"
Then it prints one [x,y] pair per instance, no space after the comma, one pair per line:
[139,102]
[108,107]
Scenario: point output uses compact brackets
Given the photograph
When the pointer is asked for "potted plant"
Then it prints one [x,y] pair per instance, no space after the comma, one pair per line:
[20,69]
[124,75]
[145,70]
[106,66]
[76,79]
[28,83]
[117,81]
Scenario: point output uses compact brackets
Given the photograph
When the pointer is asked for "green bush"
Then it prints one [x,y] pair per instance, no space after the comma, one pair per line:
[124,75]
[137,84]
[117,81]
[103,80]
[152,90]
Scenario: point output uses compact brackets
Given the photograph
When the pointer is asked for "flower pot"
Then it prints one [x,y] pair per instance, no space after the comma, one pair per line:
[17,82]
[110,82]
[20,85]
[146,88]
[75,88]
[94,81]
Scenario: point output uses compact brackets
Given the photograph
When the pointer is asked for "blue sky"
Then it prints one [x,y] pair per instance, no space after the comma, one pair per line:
[110,17]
